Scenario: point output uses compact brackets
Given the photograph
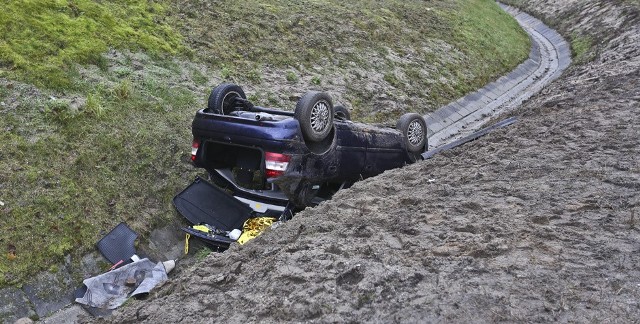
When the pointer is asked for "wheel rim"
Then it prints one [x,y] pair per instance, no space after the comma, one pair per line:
[415,133]
[229,101]
[320,116]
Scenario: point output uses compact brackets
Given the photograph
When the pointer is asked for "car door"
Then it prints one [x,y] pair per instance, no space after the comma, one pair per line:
[351,151]
[384,151]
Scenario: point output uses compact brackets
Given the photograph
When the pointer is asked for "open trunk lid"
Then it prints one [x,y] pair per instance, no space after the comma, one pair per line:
[202,202]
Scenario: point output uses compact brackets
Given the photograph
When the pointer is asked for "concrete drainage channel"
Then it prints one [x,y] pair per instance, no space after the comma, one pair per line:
[550,55]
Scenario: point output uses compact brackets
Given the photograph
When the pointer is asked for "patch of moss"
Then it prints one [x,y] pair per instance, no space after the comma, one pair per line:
[581,47]
[42,40]
[392,79]
[315,80]
[198,77]
[202,253]
[292,76]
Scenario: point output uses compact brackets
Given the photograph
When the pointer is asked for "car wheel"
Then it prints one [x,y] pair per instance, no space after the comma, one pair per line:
[341,112]
[414,132]
[222,98]
[314,112]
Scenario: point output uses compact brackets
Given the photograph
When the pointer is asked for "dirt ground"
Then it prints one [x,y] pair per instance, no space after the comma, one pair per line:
[539,221]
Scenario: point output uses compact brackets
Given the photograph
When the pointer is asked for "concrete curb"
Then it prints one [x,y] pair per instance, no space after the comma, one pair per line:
[550,55]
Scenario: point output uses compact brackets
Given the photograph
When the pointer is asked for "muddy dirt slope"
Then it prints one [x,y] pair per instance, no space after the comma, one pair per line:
[537,222]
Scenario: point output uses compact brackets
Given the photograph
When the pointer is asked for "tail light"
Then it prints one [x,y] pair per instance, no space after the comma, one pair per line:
[275,164]
[194,148]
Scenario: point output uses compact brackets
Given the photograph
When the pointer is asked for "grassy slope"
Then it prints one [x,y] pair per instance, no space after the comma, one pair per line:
[42,39]
[113,145]
[425,54]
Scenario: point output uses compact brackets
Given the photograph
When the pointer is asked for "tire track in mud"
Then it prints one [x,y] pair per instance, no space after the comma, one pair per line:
[550,55]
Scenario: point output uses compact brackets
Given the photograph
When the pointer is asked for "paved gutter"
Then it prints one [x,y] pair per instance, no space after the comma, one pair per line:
[550,55]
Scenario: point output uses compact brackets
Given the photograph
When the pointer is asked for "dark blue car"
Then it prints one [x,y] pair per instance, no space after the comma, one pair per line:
[269,158]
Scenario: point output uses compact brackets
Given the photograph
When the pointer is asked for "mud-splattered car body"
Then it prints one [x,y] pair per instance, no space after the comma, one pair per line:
[264,158]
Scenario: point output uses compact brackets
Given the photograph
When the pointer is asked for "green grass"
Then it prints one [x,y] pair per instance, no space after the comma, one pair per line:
[492,41]
[43,40]
[88,169]
[430,52]
[581,46]
[203,253]
[288,32]
[292,77]
[113,145]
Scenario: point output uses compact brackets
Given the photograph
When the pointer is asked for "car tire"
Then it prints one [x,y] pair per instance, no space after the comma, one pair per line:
[414,132]
[341,112]
[221,98]
[314,112]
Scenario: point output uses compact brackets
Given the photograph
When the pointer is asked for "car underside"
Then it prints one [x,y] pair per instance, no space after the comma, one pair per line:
[269,162]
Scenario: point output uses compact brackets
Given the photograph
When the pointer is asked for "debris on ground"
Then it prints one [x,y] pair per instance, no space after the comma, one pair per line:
[254,227]
[129,276]
[111,289]
[118,246]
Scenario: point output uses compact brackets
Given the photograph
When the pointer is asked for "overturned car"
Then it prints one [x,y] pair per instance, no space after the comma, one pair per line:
[270,158]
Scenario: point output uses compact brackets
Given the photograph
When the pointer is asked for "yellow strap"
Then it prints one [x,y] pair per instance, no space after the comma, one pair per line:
[186,243]
[253,227]
[200,228]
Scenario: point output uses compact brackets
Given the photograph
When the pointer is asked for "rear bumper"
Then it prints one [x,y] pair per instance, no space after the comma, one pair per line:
[245,131]
[259,200]
[263,201]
